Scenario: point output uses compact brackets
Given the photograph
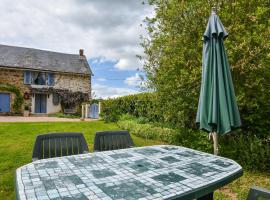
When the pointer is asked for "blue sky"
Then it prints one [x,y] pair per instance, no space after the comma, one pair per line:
[107,75]
[108,31]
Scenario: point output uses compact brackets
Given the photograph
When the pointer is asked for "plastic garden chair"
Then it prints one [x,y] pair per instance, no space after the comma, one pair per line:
[59,144]
[112,140]
[256,193]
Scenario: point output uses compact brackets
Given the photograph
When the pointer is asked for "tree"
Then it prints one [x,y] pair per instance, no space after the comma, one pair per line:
[173,49]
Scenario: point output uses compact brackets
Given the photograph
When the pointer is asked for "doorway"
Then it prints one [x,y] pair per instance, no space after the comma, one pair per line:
[40,103]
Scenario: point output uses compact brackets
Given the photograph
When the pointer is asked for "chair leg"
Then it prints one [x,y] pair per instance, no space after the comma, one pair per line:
[207,197]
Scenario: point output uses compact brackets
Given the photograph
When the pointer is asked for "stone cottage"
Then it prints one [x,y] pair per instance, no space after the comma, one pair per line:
[47,81]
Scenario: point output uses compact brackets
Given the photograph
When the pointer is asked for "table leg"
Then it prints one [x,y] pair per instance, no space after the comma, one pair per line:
[207,197]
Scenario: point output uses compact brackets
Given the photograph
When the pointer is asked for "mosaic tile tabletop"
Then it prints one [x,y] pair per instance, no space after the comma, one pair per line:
[154,172]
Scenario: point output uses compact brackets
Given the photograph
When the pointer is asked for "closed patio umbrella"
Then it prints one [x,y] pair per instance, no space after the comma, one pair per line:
[217,110]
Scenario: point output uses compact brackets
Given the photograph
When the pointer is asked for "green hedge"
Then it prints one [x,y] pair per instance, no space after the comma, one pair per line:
[152,107]
[139,105]
[250,152]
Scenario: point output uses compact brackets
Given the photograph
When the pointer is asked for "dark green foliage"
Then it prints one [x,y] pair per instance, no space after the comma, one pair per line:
[173,49]
[18,101]
[250,152]
[141,105]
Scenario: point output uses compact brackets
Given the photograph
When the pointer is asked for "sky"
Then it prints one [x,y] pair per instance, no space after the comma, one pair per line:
[108,31]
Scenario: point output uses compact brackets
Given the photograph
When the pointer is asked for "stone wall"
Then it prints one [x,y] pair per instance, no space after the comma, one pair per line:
[16,78]
[73,82]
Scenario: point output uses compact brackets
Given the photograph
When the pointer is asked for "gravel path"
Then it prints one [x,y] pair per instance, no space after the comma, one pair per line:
[38,119]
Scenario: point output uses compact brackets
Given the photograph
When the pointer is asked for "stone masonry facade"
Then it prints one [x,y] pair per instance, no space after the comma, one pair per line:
[16,78]
[73,82]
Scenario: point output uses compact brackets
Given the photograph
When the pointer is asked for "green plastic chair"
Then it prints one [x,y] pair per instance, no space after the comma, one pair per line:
[112,140]
[59,144]
[256,193]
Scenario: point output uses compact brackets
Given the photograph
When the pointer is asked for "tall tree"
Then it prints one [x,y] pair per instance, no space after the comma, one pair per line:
[173,49]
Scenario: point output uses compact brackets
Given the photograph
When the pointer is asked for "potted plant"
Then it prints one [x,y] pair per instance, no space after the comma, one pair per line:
[26,111]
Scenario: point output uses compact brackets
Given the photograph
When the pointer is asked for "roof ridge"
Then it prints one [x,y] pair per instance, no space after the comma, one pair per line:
[35,49]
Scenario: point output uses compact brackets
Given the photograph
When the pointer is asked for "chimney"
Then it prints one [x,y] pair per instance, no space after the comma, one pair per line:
[81,52]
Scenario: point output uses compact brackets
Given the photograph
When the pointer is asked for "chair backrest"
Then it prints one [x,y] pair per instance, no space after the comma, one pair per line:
[59,144]
[111,140]
[258,193]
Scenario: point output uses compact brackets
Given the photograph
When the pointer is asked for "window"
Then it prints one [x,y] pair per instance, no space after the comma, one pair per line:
[38,78]
[50,79]
[27,77]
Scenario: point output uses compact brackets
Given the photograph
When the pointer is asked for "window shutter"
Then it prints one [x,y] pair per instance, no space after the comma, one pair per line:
[56,99]
[27,77]
[50,79]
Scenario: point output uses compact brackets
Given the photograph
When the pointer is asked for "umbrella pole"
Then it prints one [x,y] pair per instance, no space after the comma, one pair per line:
[215,140]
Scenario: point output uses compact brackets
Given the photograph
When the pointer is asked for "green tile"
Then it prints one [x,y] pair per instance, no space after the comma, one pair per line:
[127,190]
[121,155]
[167,179]
[103,173]
[169,159]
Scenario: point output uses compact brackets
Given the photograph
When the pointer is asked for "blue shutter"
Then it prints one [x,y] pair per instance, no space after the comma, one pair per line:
[27,77]
[50,79]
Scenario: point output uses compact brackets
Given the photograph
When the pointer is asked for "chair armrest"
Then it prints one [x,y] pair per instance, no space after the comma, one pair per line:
[256,193]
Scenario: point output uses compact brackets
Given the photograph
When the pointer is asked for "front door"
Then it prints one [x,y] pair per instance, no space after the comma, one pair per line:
[4,102]
[40,103]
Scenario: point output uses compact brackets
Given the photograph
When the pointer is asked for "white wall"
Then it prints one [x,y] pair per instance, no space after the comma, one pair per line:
[51,108]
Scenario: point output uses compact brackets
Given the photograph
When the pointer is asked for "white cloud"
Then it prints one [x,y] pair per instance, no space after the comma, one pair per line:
[123,64]
[104,91]
[101,79]
[103,28]
[134,80]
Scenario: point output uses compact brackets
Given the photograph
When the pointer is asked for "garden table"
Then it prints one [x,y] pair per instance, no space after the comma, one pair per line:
[153,172]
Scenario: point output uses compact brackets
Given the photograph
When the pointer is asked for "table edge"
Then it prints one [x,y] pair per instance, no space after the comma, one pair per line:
[204,190]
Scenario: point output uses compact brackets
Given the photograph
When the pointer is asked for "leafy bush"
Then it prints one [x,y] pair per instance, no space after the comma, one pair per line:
[250,152]
[148,131]
[143,105]
[185,137]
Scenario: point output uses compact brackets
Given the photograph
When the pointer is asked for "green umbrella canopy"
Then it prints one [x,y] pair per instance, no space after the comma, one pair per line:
[217,109]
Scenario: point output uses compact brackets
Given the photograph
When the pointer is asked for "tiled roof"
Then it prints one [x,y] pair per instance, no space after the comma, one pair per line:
[28,58]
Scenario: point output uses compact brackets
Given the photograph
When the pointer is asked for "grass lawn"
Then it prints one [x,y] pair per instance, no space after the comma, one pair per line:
[17,139]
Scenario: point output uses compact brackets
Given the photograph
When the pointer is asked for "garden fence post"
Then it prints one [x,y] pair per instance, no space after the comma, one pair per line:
[82,117]
[99,107]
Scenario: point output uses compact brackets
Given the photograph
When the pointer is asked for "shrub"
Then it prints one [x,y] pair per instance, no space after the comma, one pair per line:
[250,152]
[144,105]
[148,131]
